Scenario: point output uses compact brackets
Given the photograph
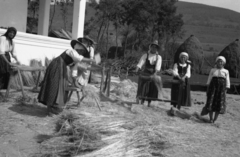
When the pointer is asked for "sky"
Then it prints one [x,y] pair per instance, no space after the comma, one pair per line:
[228,4]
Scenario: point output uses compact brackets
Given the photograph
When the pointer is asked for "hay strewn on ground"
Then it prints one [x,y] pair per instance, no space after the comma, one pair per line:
[110,132]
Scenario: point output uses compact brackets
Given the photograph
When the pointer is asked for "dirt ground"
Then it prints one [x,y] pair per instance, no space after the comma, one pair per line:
[21,123]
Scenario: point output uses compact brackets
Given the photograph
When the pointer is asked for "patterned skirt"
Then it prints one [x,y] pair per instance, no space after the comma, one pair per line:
[52,92]
[216,95]
[4,71]
[181,94]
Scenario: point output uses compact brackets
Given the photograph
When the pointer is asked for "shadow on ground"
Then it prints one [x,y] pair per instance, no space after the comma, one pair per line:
[30,110]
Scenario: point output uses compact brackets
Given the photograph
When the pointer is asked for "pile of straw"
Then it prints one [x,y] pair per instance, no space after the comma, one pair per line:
[232,55]
[71,138]
[88,134]
[125,88]
[195,51]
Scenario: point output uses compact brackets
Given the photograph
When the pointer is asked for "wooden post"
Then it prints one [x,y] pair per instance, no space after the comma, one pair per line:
[109,81]
[102,78]
[21,83]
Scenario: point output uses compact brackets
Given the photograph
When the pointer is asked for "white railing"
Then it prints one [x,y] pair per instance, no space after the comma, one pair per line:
[30,46]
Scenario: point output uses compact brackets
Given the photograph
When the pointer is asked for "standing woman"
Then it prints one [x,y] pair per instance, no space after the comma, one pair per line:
[218,82]
[7,50]
[52,92]
[149,83]
[180,91]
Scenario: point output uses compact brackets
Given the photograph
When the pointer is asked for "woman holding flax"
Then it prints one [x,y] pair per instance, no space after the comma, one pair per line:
[52,92]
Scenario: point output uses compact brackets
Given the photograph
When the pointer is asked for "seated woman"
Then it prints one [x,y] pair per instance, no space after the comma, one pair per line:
[149,83]
[52,92]
[180,91]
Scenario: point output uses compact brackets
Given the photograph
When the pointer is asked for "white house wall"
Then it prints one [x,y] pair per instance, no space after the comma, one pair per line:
[14,13]
[29,46]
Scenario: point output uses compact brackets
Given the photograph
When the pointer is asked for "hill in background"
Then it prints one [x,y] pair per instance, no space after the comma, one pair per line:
[214,27]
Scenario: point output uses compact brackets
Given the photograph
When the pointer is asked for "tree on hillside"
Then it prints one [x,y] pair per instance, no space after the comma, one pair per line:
[32,20]
[52,14]
[106,11]
[64,11]
[156,17]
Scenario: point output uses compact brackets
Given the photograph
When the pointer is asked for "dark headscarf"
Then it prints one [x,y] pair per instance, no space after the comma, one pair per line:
[9,30]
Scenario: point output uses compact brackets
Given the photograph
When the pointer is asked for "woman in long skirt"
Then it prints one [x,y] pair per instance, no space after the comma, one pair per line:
[7,53]
[53,89]
[180,91]
[218,82]
[149,83]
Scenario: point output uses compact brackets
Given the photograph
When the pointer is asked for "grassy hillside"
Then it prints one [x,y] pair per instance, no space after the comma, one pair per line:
[214,27]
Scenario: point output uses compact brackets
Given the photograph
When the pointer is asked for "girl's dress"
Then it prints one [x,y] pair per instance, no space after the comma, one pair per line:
[52,92]
[181,92]
[150,87]
[8,50]
[218,81]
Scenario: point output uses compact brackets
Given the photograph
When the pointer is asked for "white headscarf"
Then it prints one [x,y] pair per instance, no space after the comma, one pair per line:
[221,58]
[183,54]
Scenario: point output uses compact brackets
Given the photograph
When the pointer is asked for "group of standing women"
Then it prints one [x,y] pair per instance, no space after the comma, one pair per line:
[150,84]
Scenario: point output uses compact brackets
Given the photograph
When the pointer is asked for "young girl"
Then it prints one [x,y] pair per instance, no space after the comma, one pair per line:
[180,92]
[218,82]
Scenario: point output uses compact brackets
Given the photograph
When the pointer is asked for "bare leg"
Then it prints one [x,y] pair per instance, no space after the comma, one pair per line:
[215,116]
[211,116]
[149,102]
[142,101]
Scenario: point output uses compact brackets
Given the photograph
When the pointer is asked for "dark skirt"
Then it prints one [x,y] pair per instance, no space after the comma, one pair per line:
[216,95]
[149,87]
[52,92]
[4,71]
[181,93]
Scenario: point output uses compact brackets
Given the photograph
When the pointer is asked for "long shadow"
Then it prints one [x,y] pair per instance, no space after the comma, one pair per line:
[29,109]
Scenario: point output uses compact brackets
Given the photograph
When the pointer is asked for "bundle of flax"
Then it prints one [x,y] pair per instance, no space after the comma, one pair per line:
[103,134]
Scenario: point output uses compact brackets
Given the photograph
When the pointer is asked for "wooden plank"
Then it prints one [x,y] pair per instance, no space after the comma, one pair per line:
[28,68]
[156,99]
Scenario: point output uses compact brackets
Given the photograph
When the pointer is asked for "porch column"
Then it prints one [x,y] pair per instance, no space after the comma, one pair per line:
[43,18]
[78,18]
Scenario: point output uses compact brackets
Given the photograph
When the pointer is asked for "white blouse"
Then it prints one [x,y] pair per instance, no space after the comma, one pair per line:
[175,69]
[219,73]
[5,46]
[74,55]
[152,58]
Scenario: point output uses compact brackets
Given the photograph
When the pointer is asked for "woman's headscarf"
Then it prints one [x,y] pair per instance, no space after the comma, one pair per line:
[184,54]
[9,30]
[221,58]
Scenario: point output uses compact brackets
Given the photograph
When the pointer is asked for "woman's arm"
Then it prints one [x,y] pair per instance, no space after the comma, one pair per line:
[188,73]
[175,71]
[88,60]
[158,64]
[4,57]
